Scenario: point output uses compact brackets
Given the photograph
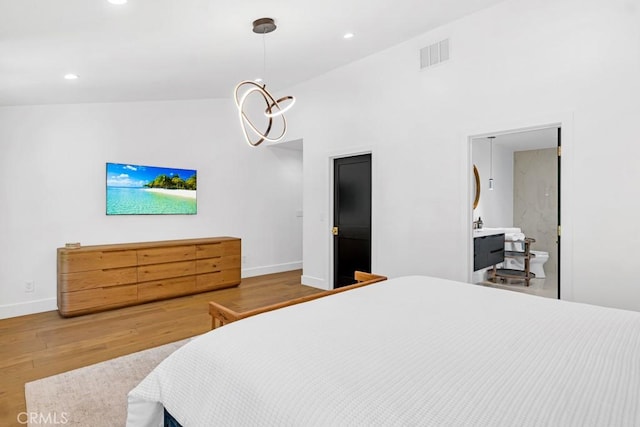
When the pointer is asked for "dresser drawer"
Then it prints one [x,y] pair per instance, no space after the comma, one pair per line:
[169,254]
[71,262]
[211,265]
[166,271]
[101,298]
[231,276]
[166,288]
[231,247]
[97,279]
[219,279]
[208,281]
[209,251]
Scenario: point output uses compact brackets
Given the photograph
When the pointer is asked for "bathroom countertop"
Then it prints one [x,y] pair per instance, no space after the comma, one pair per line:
[488,231]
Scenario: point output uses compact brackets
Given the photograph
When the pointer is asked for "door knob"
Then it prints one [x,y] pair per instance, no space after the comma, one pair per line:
[334,231]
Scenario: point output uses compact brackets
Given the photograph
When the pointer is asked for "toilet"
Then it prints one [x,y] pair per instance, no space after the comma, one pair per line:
[536,265]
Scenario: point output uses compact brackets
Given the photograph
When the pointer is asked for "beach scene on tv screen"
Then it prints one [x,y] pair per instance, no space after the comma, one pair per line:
[150,190]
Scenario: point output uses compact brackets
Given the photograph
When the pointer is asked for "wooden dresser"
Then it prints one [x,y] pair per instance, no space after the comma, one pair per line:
[97,278]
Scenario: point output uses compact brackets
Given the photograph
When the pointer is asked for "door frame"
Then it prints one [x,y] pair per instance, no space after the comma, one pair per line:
[563,120]
[331,158]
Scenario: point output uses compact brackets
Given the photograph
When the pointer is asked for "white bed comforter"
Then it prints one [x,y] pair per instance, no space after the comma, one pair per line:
[408,351]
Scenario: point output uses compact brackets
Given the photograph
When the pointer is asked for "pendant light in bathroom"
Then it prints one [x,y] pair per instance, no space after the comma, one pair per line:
[491,138]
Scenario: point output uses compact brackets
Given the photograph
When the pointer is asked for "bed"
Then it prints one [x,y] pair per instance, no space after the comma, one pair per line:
[408,351]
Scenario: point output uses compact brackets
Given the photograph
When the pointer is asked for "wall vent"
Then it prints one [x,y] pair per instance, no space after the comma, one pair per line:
[434,54]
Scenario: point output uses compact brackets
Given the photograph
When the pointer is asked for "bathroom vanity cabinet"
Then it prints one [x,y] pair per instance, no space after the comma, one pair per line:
[488,251]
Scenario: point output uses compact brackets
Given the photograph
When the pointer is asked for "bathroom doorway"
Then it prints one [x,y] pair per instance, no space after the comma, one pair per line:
[519,174]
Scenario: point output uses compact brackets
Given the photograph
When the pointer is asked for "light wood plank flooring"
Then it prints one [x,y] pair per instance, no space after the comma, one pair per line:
[45,344]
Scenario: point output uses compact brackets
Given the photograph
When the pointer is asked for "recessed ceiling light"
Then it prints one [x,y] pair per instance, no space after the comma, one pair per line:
[118,2]
[258,80]
[71,76]
[348,35]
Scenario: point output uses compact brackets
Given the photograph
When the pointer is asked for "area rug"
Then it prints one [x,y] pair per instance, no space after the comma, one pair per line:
[94,395]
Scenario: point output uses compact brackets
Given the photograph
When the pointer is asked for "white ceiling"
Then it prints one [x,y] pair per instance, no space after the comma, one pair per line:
[525,140]
[190,49]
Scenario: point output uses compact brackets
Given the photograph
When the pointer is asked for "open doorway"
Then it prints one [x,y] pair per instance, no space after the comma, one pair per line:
[519,176]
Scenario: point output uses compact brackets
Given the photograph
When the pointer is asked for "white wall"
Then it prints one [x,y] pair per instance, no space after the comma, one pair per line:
[52,168]
[516,60]
[495,206]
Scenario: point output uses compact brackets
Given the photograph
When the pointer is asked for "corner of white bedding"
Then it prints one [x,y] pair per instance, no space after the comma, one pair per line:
[142,413]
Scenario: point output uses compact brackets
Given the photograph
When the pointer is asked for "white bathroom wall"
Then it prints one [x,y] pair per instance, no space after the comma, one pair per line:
[52,168]
[536,201]
[495,206]
[517,60]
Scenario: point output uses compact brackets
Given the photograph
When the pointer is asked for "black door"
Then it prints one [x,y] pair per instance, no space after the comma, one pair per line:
[351,218]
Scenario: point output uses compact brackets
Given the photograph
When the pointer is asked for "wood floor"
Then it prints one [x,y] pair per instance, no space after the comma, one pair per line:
[45,344]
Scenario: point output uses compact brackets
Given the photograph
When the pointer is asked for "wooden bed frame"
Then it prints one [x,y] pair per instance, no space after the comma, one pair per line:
[221,315]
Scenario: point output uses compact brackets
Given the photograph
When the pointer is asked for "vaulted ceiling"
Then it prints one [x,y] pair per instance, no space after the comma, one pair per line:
[191,49]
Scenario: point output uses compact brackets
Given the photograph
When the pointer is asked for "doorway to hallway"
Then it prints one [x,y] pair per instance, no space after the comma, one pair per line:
[351,218]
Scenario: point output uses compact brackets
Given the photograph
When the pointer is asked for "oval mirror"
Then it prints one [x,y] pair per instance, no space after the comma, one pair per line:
[476,175]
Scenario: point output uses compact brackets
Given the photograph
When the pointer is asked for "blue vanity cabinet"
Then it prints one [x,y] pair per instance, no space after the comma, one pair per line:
[488,251]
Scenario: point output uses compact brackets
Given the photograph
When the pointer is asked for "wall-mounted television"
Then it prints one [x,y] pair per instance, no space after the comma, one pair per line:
[150,190]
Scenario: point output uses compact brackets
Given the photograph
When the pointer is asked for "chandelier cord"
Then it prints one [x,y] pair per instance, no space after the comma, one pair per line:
[264,57]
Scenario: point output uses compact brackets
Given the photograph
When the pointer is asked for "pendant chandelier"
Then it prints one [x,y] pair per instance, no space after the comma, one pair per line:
[274,108]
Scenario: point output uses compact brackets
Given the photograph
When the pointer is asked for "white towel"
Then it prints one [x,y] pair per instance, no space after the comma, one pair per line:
[514,236]
[514,242]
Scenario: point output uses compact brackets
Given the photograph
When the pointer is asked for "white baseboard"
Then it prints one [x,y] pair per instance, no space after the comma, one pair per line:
[29,307]
[270,269]
[315,282]
[49,304]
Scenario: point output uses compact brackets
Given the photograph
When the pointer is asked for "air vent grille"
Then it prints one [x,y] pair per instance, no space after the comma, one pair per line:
[434,54]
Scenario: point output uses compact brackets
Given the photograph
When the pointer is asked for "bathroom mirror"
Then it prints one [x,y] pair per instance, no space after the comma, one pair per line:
[476,175]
